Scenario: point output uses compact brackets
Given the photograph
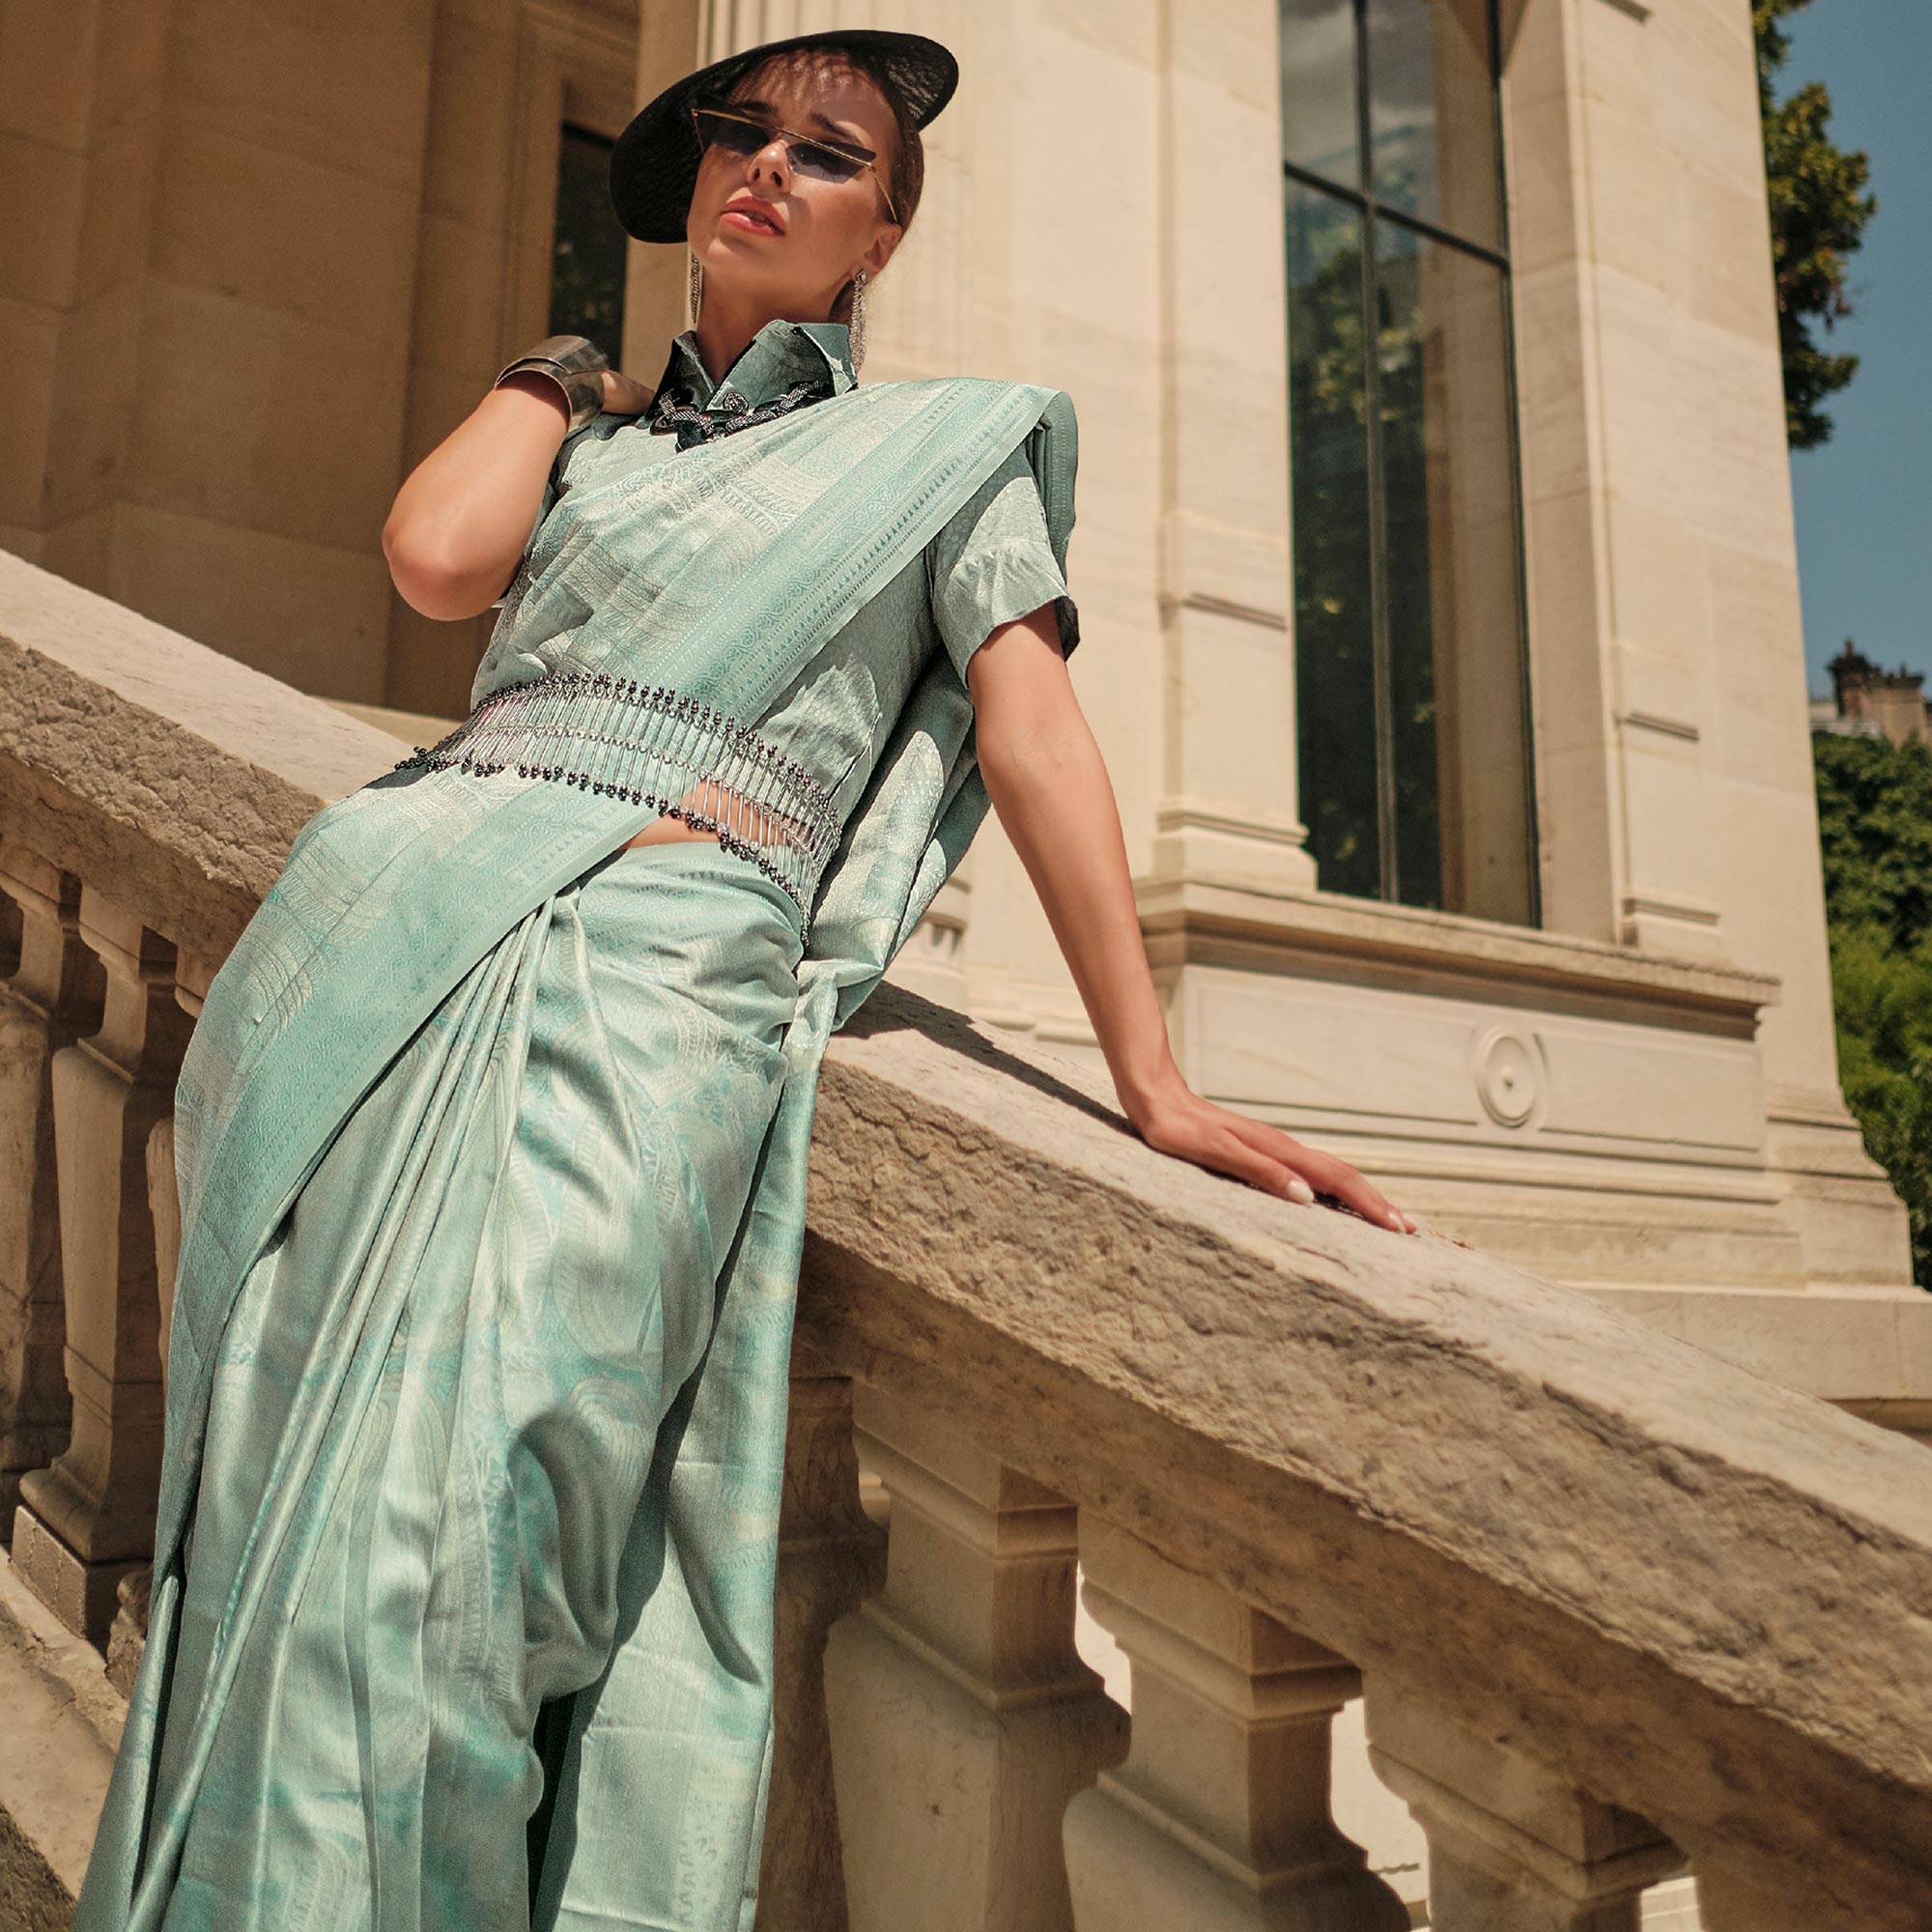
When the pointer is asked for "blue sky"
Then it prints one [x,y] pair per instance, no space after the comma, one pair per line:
[1864,499]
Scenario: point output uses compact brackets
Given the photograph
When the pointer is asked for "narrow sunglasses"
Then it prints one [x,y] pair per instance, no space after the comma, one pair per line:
[742,135]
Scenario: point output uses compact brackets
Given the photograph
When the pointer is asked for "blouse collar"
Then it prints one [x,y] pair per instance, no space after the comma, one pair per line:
[782,355]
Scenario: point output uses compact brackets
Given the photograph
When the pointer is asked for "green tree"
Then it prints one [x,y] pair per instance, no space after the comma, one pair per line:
[1875,824]
[1819,209]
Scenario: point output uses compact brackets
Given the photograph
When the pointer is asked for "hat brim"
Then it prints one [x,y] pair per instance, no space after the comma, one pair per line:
[654,165]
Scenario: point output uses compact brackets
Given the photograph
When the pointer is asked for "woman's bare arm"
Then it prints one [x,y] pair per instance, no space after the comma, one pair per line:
[1050,788]
[456,531]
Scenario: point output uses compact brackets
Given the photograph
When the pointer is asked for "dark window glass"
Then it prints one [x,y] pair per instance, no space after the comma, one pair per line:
[587,282]
[1409,659]
[1321,118]
[1334,592]
[1454,621]
[1431,114]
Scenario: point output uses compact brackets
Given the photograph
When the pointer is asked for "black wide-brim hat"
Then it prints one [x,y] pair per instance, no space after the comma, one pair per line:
[654,165]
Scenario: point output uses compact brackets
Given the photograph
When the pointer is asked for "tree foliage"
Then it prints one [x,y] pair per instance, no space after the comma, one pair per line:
[1819,209]
[1875,823]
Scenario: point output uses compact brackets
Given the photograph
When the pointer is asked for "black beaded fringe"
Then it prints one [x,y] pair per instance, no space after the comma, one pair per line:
[622,739]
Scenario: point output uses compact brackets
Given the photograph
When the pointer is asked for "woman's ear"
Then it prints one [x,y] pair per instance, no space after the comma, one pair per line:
[880,252]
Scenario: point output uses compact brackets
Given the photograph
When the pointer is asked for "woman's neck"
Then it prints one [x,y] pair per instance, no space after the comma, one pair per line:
[726,330]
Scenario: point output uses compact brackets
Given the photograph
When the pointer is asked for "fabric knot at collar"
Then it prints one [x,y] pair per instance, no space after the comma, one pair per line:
[784,367]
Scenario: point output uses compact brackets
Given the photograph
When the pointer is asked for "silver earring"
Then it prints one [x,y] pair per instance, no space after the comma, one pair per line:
[858,322]
[696,290]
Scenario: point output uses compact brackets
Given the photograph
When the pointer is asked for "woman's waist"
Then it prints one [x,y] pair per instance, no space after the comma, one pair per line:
[651,744]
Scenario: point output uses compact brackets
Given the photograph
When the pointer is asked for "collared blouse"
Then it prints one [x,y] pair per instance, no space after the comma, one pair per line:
[631,531]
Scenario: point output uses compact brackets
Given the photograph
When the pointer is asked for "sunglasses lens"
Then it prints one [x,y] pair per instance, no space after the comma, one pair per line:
[826,163]
[738,135]
[728,131]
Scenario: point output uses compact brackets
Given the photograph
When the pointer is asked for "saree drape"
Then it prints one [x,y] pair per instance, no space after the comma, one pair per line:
[441,1414]
[383,1012]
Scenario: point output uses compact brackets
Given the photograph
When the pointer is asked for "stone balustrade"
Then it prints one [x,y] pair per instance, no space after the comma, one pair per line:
[1608,1603]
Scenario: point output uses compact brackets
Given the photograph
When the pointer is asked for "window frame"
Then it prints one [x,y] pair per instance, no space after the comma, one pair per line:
[1371,211]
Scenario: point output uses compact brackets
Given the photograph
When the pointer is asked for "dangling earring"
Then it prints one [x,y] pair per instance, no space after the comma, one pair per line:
[696,290]
[856,326]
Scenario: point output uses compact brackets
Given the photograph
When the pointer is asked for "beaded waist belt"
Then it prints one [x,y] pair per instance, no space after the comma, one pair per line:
[617,738]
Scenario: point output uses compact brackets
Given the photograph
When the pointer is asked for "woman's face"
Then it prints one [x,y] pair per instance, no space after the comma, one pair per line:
[788,241]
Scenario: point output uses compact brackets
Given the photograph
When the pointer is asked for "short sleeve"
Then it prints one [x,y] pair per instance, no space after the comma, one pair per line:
[993,561]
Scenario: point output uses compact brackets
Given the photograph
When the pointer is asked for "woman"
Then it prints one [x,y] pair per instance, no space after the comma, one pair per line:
[491,1136]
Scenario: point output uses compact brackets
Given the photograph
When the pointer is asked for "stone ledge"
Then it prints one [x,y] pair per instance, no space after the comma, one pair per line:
[1188,920]
[406,728]
[1654,1545]
[170,776]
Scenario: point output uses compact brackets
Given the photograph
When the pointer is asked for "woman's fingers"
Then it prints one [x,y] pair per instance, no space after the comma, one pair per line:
[624,395]
[1265,1157]
[1205,1139]
[1233,1155]
[1324,1172]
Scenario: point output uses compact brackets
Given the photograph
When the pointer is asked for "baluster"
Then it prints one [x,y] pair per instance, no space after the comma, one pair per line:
[1512,1846]
[193,976]
[1220,1819]
[831,1556]
[962,1716]
[129,1630]
[88,1520]
[52,997]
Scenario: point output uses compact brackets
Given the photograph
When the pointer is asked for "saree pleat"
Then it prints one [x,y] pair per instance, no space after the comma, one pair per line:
[435,1484]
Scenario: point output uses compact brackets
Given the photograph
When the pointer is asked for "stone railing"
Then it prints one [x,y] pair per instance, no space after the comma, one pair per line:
[1608,1603]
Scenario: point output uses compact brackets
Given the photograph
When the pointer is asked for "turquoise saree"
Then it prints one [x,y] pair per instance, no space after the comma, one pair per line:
[492,1149]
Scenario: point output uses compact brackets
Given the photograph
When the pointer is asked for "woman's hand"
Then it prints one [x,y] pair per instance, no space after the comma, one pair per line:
[624,395]
[1180,1123]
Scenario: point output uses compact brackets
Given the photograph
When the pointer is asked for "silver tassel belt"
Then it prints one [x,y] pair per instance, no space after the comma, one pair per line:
[622,739]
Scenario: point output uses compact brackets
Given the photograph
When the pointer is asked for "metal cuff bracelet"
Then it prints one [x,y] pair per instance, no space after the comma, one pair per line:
[575,364]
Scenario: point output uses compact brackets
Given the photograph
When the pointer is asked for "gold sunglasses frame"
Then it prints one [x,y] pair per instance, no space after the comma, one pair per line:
[792,138]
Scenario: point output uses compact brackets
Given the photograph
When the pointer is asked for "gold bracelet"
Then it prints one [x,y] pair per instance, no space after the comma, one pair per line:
[575,364]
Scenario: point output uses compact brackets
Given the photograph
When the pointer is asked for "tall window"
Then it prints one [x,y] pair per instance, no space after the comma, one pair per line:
[1411,664]
[587,282]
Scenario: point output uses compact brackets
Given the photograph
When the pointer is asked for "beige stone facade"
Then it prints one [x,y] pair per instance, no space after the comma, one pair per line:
[258,258]
[255,260]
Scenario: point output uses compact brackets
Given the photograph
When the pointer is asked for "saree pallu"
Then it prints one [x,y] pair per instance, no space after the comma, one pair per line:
[444,1417]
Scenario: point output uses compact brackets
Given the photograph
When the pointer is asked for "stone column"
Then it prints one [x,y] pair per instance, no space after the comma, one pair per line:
[1229,810]
[1218,1821]
[831,1556]
[52,997]
[962,1716]
[89,1520]
[1512,1847]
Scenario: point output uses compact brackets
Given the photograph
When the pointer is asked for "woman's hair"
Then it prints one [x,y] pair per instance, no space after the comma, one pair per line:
[906,178]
